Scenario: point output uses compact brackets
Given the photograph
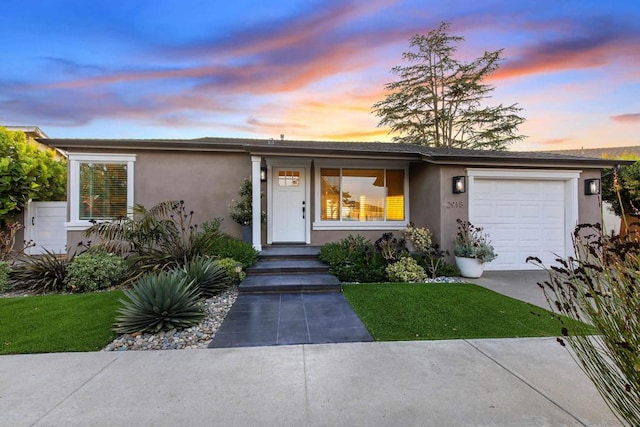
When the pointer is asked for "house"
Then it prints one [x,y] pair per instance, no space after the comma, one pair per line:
[629,152]
[318,192]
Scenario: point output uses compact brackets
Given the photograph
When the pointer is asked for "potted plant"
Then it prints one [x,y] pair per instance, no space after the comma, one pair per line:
[472,249]
[242,210]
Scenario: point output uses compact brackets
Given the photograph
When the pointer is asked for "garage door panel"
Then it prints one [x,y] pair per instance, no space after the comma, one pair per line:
[523,218]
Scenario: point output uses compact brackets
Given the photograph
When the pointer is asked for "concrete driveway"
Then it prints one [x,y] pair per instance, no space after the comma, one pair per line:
[520,285]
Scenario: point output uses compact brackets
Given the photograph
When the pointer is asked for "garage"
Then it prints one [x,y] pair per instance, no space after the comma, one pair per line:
[525,213]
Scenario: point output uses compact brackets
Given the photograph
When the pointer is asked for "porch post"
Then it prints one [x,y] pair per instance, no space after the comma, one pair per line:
[255,203]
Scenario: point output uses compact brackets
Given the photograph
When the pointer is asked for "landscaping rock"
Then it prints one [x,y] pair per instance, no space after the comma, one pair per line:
[216,309]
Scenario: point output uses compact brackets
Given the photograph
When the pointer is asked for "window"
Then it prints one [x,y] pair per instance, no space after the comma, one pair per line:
[100,187]
[362,195]
[288,178]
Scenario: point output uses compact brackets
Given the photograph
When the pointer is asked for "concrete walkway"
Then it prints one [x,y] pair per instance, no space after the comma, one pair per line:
[520,285]
[514,382]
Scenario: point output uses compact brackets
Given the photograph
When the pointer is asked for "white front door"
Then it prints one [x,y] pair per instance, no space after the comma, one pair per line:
[289,205]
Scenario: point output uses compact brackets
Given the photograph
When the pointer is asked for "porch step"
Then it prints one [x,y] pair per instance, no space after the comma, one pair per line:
[288,266]
[290,283]
[271,253]
[289,269]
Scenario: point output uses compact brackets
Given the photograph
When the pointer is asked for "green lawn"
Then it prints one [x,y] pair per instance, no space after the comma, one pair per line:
[435,311]
[55,323]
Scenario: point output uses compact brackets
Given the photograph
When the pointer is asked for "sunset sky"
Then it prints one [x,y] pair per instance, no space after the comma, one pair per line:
[307,69]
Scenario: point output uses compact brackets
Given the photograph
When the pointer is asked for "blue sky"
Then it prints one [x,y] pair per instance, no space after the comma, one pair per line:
[307,69]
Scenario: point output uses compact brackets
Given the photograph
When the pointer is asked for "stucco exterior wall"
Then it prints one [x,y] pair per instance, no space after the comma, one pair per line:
[206,181]
[589,207]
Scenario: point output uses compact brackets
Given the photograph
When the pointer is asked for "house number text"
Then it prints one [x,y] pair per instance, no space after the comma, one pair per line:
[454,205]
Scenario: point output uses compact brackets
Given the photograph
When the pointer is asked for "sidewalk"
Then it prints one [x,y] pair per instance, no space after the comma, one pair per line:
[440,383]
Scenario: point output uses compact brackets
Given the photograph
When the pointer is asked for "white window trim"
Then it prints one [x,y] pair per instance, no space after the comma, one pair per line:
[570,178]
[75,223]
[318,224]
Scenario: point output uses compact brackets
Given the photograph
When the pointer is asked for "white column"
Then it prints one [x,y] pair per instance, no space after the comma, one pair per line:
[256,205]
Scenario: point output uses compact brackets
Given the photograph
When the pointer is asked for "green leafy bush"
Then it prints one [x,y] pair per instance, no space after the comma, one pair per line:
[4,276]
[420,237]
[95,270]
[159,302]
[230,265]
[406,269]
[445,269]
[354,259]
[225,246]
[40,273]
[206,275]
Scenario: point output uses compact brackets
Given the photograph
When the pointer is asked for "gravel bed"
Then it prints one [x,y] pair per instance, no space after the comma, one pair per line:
[445,279]
[198,336]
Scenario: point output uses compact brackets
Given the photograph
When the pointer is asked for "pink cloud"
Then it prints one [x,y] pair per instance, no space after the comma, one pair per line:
[588,50]
[627,118]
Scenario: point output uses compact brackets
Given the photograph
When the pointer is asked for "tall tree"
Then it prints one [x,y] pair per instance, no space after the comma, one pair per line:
[438,100]
[27,173]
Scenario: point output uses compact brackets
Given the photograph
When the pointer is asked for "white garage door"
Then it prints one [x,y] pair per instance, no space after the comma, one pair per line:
[523,218]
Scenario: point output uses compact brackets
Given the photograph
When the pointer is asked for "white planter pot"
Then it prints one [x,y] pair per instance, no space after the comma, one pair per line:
[470,267]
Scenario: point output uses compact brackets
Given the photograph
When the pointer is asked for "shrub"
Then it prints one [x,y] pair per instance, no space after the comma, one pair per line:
[208,277]
[8,241]
[226,246]
[391,247]
[4,276]
[354,259]
[419,236]
[40,273]
[95,270]
[406,269]
[159,302]
[242,210]
[447,270]
[230,264]
[162,237]
[599,286]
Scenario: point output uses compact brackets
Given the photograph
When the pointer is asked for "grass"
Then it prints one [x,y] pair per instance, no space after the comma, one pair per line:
[438,311]
[56,323]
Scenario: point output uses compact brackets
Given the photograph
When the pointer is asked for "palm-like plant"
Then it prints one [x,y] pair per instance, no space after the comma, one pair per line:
[159,238]
[159,302]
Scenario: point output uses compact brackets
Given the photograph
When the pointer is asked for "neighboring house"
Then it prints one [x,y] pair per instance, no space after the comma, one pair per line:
[318,192]
[34,134]
[605,152]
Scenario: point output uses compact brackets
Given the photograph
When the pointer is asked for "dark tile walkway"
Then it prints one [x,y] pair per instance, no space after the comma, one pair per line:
[289,318]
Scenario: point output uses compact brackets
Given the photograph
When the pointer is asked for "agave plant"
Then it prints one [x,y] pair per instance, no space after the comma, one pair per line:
[159,302]
[206,276]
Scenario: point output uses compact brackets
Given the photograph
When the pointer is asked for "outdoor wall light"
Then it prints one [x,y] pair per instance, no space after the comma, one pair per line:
[263,174]
[459,184]
[591,187]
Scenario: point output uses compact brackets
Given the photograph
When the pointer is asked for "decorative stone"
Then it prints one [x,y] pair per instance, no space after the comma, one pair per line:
[216,309]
